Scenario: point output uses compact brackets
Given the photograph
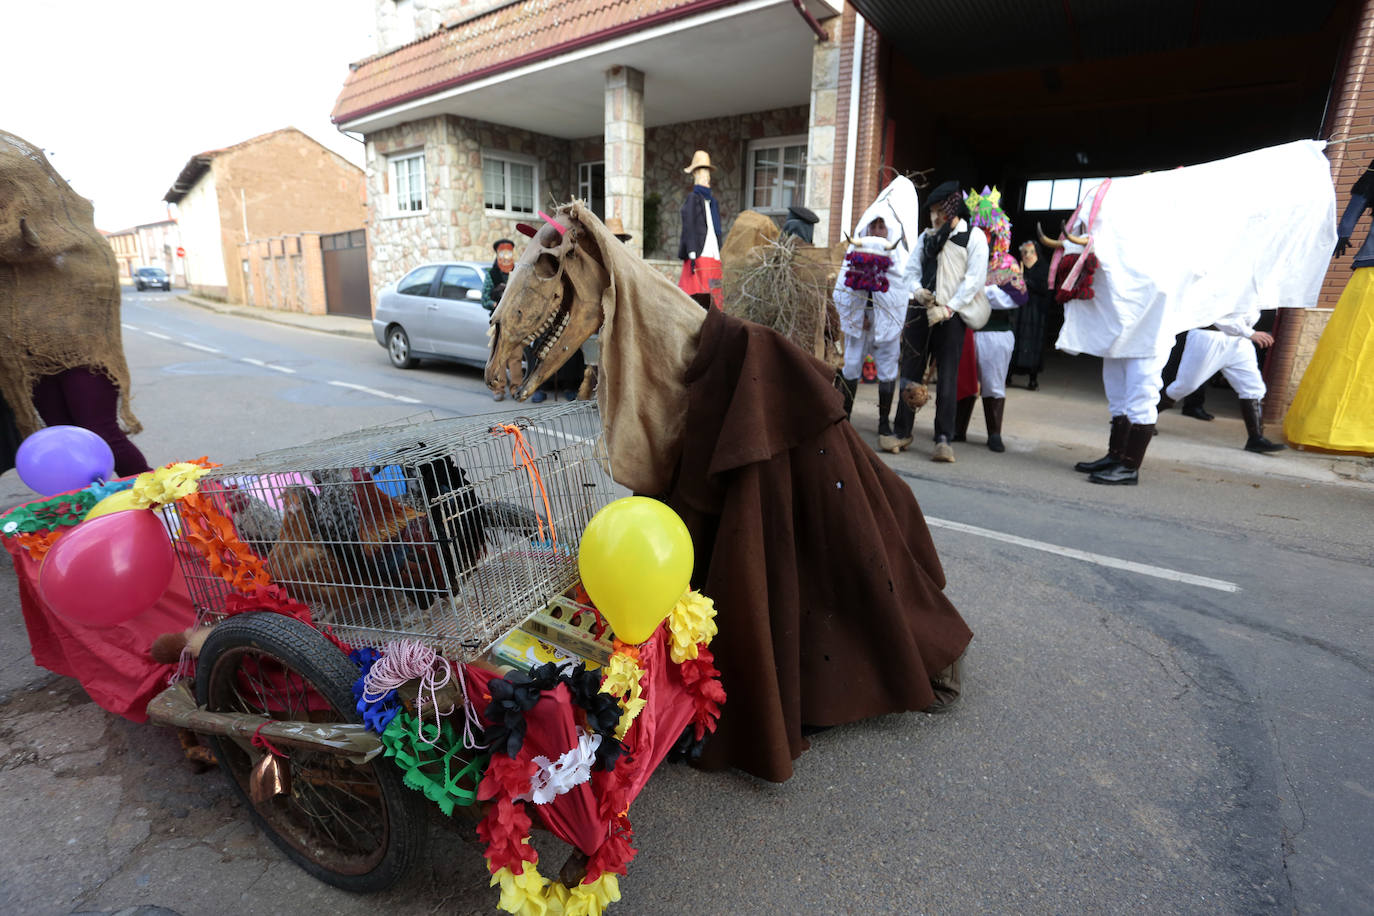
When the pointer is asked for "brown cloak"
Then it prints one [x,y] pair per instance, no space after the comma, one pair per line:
[817,555]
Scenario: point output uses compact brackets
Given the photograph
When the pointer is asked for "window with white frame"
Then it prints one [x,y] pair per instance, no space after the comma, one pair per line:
[408,183]
[1045,194]
[591,186]
[777,174]
[509,183]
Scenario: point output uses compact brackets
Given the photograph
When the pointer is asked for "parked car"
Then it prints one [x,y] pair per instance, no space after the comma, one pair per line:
[434,312]
[154,277]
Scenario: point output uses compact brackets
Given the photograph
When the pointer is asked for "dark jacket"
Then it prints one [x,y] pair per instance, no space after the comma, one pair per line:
[1353,211]
[493,286]
[694,223]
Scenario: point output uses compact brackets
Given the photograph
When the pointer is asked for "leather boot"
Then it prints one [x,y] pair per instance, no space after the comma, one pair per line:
[1253,412]
[847,387]
[992,415]
[886,441]
[963,412]
[1192,406]
[948,687]
[1116,445]
[1127,473]
[1165,402]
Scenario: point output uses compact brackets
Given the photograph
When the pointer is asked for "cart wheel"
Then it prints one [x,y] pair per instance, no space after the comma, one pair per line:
[355,827]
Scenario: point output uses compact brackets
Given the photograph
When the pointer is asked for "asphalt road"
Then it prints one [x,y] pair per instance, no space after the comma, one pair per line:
[1190,735]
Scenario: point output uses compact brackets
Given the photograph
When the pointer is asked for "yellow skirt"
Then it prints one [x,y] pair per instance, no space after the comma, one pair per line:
[1334,406]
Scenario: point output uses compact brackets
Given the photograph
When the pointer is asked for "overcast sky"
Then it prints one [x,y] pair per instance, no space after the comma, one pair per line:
[121,94]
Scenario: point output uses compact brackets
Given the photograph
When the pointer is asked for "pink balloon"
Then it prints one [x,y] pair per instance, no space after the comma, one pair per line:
[108,570]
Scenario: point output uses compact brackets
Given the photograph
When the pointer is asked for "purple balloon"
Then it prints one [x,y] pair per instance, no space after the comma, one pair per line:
[62,458]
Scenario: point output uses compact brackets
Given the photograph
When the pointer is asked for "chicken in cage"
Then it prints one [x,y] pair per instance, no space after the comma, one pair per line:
[449,531]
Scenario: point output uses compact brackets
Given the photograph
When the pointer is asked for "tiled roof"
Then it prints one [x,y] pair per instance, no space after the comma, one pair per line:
[510,36]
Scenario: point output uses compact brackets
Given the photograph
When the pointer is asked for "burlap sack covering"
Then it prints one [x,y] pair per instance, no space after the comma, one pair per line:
[648,337]
[59,285]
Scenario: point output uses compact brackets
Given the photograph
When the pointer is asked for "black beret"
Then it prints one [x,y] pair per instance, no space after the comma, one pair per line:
[803,214]
[496,245]
[943,191]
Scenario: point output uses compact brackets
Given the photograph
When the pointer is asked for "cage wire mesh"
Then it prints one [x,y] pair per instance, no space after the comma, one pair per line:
[449,531]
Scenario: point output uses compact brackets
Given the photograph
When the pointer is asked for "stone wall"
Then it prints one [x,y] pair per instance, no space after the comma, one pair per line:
[455,224]
[400,23]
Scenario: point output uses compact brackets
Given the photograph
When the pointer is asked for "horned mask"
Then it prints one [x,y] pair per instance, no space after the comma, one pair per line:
[552,302]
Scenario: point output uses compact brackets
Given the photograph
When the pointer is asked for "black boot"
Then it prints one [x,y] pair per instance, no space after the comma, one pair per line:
[1253,412]
[992,414]
[1192,405]
[885,438]
[847,387]
[1116,445]
[963,412]
[1165,402]
[1034,383]
[1127,473]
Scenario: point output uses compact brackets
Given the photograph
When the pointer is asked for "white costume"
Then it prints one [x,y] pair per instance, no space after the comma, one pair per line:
[872,322]
[994,348]
[1227,350]
[1266,247]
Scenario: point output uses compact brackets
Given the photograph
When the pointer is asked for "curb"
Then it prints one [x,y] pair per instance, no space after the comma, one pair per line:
[298,320]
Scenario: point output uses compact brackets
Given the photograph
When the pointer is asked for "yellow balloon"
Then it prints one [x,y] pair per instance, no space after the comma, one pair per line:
[115,502]
[636,562]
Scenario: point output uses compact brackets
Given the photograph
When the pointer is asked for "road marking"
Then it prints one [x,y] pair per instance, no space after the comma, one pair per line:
[201,347]
[157,335]
[128,327]
[376,392]
[252,362]
[1144,569]
[280,368]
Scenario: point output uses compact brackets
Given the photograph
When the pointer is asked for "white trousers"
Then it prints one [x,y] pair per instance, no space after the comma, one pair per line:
[994,359]
[1132,387]
[885,353]
[1205,353]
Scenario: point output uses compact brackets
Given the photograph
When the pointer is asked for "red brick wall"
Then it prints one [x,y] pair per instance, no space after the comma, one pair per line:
[1351,115]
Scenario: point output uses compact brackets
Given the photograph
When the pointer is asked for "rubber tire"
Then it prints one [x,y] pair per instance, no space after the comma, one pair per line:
[407,361]
[331,674]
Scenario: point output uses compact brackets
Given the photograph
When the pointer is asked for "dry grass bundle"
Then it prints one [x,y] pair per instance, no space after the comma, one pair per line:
[785,286]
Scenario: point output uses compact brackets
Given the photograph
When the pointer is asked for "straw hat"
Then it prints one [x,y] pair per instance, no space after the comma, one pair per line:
[617,228]
[700,160]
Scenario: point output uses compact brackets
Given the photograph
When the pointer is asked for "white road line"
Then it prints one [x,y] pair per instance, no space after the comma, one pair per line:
[201,347]
[157,335]
[128,327]
[280,368]
[251,361]
[376,392]
[1144,569]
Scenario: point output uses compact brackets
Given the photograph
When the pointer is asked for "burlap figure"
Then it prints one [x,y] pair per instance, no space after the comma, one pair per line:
[566,285]
[59,285]
[783,284]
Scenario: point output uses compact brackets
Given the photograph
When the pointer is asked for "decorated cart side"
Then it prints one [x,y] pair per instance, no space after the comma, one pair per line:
[398,617]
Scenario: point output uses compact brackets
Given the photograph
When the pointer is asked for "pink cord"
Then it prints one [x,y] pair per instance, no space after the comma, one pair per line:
[404,661]
[469,712]
[553,222]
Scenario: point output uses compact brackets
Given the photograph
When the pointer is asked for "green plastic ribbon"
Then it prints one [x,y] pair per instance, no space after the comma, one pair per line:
[434,769]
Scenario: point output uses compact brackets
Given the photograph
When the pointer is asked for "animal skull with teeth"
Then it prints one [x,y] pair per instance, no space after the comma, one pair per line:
[552,303]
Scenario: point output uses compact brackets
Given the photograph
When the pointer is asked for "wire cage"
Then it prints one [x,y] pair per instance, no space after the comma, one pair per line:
[447,531]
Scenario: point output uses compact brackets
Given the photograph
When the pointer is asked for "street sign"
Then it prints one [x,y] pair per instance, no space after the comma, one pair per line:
[181,252]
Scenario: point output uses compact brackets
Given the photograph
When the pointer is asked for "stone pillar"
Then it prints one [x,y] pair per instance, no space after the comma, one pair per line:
[821,139]
[624,138]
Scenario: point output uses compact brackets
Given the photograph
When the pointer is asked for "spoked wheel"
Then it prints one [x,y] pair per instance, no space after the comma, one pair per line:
[356,827]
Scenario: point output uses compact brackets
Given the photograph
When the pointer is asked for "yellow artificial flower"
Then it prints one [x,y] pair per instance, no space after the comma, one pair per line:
[165,485]
[592,899]
[622,676]
[523,894]
[691,622]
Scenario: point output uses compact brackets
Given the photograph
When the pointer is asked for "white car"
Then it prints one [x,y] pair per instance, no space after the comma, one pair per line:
[434,312]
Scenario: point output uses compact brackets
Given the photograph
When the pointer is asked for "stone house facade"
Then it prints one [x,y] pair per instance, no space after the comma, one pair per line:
[281,183]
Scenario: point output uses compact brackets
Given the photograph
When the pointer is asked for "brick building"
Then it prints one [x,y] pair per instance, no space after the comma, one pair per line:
[477,113]
[278,184]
